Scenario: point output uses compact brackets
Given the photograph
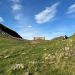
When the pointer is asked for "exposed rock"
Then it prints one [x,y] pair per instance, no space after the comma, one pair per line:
[10,34]
[26,57]
[18,66]
[62,49]
[9,31]
[27,73]
[51,62]
[53,56]
[45,55]
[66,54]
[52,53]
[1,56]
[66,48]
[45,49]
[73,54]
[45,65]
[71,50]
[46,58]
[6,56]
[23,53]
[66,57]
[70,54]
[49,55]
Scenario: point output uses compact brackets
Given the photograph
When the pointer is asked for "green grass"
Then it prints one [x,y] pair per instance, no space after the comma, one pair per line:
[64,64]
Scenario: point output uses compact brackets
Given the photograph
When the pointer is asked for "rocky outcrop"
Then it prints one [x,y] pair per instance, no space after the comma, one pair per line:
[10,34]
[18,66]
[6,30]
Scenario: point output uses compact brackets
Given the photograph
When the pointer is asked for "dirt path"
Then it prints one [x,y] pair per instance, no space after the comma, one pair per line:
[34,42]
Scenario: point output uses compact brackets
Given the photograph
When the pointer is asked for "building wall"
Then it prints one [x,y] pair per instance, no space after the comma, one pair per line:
[37,38]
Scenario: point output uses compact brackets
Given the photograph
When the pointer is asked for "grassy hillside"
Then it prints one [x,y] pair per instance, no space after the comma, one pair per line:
[43,58]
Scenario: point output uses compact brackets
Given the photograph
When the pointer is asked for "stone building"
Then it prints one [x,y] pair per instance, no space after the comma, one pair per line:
[38,38]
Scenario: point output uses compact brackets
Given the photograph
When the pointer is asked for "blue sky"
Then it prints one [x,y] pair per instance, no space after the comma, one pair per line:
[39,18]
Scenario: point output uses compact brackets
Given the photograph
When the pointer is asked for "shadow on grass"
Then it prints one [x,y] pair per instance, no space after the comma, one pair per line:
[1,71]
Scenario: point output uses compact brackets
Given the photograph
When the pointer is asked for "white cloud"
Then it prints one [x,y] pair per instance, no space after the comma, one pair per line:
[46,15]
[1,20]
[15,0]
[18,16]
[16,7]
[29,26]
[71,9]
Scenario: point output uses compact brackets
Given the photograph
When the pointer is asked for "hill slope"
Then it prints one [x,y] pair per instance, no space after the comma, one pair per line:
[50,57]
[9,33]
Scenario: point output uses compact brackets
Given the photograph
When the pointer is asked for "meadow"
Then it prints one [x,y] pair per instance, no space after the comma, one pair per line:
[41,58]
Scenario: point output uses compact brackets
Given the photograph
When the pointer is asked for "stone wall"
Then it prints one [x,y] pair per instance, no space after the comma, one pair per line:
[6,31]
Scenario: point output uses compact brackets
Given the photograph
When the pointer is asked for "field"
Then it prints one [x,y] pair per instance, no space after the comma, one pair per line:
[49,57]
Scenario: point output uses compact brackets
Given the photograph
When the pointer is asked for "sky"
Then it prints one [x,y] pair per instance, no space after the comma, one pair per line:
[39,18]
